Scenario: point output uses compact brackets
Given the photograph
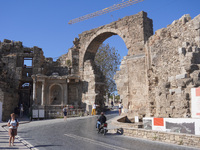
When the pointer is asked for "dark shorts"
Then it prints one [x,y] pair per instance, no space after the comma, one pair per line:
[12,132]
[65,113]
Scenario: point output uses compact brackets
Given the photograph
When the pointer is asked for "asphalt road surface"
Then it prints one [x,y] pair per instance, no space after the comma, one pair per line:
[81,134]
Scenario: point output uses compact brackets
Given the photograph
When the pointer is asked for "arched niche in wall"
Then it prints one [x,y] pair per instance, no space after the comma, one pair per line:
[55,94]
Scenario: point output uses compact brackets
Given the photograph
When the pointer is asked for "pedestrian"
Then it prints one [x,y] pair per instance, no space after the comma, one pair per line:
[21,110]
[13,125]
[65,112]
[120,108]
[112,103]
[94,109]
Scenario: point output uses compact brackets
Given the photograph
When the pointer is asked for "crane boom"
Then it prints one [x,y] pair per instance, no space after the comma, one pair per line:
[105,10]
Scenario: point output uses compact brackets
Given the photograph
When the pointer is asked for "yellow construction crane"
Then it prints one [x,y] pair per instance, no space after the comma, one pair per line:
[105,10]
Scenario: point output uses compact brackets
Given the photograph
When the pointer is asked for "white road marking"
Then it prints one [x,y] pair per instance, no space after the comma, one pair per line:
[95,142]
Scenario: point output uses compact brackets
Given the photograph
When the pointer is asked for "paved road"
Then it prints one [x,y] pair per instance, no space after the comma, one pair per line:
[81,134]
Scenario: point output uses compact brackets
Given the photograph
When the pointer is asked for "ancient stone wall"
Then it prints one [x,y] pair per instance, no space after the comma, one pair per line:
[132,85]
[13,73]
[75,93]
[166,137]
[51,67]
[12,61]
[174,55]
[15,76]
[159,82]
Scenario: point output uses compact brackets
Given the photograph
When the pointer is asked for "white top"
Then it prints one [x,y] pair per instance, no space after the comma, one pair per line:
[120,105]
[94,106]
[65,109]
[13,124]
[21,108]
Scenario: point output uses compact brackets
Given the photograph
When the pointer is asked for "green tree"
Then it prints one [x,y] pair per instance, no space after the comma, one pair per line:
[68,63]
[117,98]
[108,59]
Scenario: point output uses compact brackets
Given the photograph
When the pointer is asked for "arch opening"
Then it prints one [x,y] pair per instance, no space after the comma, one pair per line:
[115,41]
[95,43]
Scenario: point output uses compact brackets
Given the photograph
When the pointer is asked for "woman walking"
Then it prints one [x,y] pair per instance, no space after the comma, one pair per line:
[65,112]
[120,108]
[94,109]
[13,124]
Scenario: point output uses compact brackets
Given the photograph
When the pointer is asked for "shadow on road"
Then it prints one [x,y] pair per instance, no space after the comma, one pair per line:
[112,134]
[27,139]
[21,132]
[2,136]
[46,145]
[10,148]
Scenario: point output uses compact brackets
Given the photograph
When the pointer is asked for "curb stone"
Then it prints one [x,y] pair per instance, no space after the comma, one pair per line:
[27,144]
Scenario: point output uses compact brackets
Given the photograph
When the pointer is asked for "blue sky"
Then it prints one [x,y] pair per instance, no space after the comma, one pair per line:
[44,23]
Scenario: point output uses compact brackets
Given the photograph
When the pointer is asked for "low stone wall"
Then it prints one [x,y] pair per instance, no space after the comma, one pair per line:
[174,138]
[129,129]
[57,112]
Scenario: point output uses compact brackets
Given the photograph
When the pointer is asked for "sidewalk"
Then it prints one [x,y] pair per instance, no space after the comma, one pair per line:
[19,143]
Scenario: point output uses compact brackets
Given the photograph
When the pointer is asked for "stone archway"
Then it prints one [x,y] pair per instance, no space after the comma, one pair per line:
[96,40]
[135,31]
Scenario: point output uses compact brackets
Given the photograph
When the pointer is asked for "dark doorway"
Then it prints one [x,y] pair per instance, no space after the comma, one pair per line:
[25,96]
